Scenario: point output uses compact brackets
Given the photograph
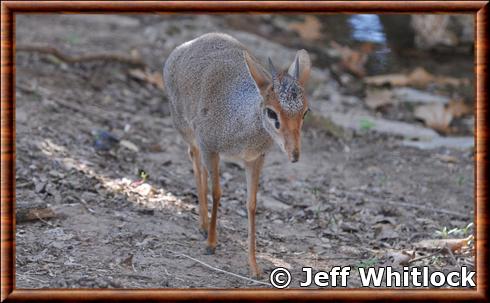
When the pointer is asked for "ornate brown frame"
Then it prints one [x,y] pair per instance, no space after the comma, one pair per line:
[8,10]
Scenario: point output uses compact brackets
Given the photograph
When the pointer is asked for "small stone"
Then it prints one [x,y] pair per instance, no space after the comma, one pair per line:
[273,204]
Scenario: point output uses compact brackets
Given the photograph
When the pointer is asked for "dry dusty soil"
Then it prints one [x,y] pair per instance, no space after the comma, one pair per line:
[354,201]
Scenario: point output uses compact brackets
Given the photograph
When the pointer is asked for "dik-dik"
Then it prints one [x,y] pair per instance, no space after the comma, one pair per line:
[225,103]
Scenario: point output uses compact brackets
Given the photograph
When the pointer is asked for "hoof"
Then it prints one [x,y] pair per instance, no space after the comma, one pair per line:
[210,250]
[257,275]
[255,272]
[204,233]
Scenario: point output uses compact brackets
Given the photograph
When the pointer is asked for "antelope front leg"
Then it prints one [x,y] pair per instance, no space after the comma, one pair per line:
[213,163]
[252,170]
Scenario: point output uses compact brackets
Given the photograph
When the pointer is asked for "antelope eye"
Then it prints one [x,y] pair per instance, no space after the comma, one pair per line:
[306,112]
[271,114]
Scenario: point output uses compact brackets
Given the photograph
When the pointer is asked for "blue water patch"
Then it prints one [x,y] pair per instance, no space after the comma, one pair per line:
[367,28]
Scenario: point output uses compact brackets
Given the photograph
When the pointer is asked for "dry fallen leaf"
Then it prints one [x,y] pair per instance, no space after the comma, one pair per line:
[453,244]
[458,108]
[128,262]
[354,60]
[154,78]
[138,74]
[435,116]
[129,145]
[385,231]
[446,158]
[392,79]
[144,190]
[439,116]
[43,213]
[135,53]
[377,98]
[452,81]
[400,257]
[418,77]
[309,30]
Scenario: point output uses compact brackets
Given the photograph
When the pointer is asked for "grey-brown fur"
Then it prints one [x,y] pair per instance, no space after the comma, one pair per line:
[221,102]
[215,103]
[290,95]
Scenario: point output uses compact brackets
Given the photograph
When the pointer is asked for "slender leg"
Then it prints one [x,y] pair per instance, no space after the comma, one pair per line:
[212,162]
[252,170]
[202,189]
[203,208]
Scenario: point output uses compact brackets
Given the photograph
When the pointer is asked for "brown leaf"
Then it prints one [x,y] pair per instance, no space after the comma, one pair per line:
[452,81]
[400,257]
[378,98]
[154,78]
[418,77]
[458,108]
[385,231]
[435,116]
[367,47]
[309,29]
[452,244]
[33,214]
[128,262]
[355,63]
[135,53]
[392,79]
[447,158]
[354,60]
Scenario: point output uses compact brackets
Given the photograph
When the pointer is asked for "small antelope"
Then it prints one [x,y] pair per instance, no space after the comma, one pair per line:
[223,102]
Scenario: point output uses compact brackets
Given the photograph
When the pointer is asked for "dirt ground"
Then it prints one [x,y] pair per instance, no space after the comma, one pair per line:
[357,201]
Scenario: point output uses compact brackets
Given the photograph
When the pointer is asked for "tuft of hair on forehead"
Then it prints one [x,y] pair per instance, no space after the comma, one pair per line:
[289,93]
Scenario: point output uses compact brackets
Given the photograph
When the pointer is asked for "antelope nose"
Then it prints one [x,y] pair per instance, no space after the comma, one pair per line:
[295,156]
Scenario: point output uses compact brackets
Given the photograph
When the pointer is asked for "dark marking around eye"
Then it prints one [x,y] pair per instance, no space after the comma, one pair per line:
[271,114]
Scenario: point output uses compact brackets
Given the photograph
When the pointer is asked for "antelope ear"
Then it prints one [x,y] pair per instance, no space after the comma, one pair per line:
[256,72]
[303,63]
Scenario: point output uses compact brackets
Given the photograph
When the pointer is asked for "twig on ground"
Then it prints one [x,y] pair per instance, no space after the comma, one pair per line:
[217,269]
[426,257]
[85,204]
[455,261]
[137,276]
[82,58]
[42,220]
[437,210]
[467,263]
[22,185]
[417,206]
[339,258]
[29,213]
[31,278]
[334,258]
[91,111]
